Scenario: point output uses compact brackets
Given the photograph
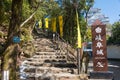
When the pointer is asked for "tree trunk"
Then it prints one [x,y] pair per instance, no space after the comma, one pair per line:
[9,61]
[10,53]
[15,21]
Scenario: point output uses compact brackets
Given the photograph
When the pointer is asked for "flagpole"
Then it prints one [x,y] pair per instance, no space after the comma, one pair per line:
[79,42]
[78,59]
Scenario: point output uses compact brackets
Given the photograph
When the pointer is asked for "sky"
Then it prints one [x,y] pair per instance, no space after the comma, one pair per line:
[110,8]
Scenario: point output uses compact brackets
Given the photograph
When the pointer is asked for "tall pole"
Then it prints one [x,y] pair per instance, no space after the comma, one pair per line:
[78,59]
[78,41]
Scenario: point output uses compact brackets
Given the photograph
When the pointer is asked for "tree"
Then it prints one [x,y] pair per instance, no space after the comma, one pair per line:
[70,21]
[10,53]
[86,7]
[5,10]
[115,37]
[18,19]
[70,27]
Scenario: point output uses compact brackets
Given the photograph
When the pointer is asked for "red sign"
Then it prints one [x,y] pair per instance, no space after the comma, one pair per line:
[99,46]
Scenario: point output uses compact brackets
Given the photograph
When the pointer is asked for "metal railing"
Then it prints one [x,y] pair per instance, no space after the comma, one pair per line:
[66,47]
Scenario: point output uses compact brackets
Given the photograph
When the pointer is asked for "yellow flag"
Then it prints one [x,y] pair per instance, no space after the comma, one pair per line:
[54,24]
[61,25]
[78,30]
[46,22]
[40,23]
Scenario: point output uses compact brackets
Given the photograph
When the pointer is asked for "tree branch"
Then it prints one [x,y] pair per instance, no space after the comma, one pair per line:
[27,19]
[31,15]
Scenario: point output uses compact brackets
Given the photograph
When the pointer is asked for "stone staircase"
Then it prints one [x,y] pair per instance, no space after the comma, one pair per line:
[51,61]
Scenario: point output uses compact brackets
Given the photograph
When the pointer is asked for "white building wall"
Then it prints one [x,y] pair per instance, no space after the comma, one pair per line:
[113,52]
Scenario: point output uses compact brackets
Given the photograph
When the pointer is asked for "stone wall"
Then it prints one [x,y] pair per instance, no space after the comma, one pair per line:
[113,52]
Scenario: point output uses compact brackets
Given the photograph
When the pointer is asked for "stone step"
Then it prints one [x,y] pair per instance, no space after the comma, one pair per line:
[35,61]
[34,64]
[45,61]
[45,52]
[39,49]
[44,69]
[38,44]
[48,58]
[57,76]
[51,53]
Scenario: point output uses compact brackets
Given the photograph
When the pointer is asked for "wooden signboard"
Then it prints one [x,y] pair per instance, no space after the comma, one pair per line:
[99,46]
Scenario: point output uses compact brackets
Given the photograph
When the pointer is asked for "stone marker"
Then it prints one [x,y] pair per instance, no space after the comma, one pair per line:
[100,63]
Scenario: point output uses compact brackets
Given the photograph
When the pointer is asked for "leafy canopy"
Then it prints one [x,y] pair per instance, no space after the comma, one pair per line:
[115,38]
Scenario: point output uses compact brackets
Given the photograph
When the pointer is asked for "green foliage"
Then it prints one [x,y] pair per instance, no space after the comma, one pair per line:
[70,26]
[7,4]
[25,35]
[115,38]
[83,28]
[85,5]
[26,11]
[89,35]
[47,8]
[52,9]
[5,11]
[1,12]
[42,9]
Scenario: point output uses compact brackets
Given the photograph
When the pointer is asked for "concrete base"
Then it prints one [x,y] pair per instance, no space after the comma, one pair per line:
[101,75]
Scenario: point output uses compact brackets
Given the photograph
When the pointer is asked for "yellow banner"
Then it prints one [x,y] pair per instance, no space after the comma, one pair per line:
[54,24]
[79,33]
[40,23]
[46,22]
[79,38]
[61,25]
